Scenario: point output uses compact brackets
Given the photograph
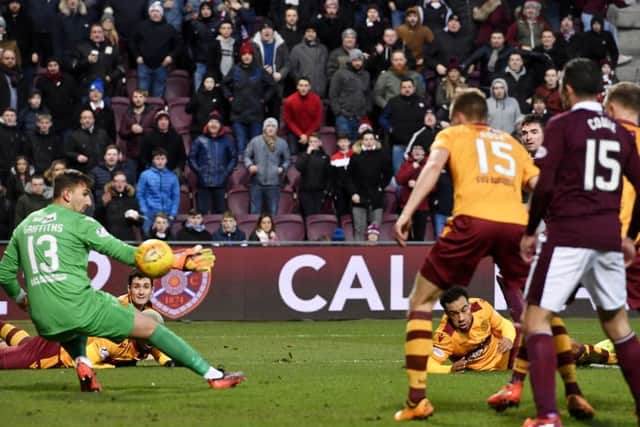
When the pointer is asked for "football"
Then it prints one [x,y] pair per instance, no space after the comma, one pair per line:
[154,258]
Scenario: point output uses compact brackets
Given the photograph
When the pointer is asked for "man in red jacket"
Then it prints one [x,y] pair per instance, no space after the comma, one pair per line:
[302,115]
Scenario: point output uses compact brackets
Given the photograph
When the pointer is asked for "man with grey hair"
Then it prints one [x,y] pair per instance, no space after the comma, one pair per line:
[339,57]
[267,158]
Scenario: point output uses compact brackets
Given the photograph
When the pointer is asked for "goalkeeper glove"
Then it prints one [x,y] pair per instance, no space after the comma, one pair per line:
[22,300]
[194,259]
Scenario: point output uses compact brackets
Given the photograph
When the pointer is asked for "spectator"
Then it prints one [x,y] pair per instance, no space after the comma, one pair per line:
[158,190]
[599,8]
[372,235]
[107,21]
[160,227]
[435,14]
[212,157]
[224,51]
[85,146]
[97,59]
[401,118]
[137,121]
[302,115]
[388,83]
[406,178]
[43,146]
[102,112]
[330,24]
[309,59]
[290,30]
[102,173]
[314,167]
[525,32]
[155,46]
[491,59]
[371,30]
[57,167]
[598,44]
[504,111]
[205,100]
[19,177]
[32,199]
[193,229]
[6,216]
[163,135]
[241,14]
[368,174]
[381,58]
[229,231]
[172,12]
[129,14]
[42,14]
[519,80]
[449,85]
[338,184]
[272,55]
[426,134]
[20,29]
[119,207]
[551,91]
[608,74]
[555,54]
[569,38]
[451,44]
[350,95]
[247,87]
[6,43]
[267,159]
[399,10]
[60,95]
[202,36]
[12,142]
[415,35]
[28,116]
[491,16]
[70,28]
[13,92]
[265,231]
[306,11]
[539,108]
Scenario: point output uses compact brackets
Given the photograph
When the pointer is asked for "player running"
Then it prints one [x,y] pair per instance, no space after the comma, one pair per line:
[489,169]
[51,246]
[578,194]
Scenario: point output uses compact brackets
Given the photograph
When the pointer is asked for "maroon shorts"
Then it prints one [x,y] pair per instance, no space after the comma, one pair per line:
[633,284]
[30,351]
[465,241]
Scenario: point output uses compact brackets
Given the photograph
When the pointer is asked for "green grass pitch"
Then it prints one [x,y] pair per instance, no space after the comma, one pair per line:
[346,373]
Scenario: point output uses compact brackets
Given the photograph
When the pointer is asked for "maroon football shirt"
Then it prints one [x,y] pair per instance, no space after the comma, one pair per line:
[585,155]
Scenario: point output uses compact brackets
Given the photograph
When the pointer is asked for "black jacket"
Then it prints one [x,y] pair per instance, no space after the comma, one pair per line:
[61,98]
[379,62]
[315,169]
[201,35]
[250,87]
[237,236]
[202,103]
[91,144]
[190,235]
[12,143]
[154,41]
[368,174]
[406,116]
[6,83]
[43,149]
[214,58]
[112,214]
[170,141]
[108,64]
[20,29]
[104,119]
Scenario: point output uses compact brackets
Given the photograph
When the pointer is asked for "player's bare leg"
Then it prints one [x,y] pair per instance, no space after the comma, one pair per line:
[616,325]
[418,347]
[175,347]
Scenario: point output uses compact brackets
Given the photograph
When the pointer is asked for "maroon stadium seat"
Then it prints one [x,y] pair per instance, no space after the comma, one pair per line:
[247,223]
[178,85]
[328,137]
[386,228]
[156,103]
[212,222]
[180,120]
[186,199]
[320,226]
[238,201]
[293,179]
[178,223]
[390,200]
[289,228]
[288,202]
[119,104]
[239,178]
[186,141]
[347,226]
[429,235]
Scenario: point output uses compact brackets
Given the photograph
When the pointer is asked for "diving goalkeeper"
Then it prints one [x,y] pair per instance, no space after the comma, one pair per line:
[51,246]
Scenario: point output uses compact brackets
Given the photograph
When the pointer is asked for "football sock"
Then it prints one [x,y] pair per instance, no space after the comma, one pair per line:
[417,349]
[84,360]
[566,364]
[517,342]
[11,334]
[213,374]
[521,364]
[596,354]
[628,351]
[542,369]
[178,350]
[77,347]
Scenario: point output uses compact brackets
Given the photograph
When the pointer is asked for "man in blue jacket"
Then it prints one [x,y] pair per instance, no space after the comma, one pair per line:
[212,157]
[158,190]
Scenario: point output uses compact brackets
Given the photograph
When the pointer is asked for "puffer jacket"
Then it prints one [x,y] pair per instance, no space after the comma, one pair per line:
[213,159]
[250,88]
[158,191]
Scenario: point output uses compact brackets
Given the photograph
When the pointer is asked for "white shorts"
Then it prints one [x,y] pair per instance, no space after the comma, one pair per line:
[557,272]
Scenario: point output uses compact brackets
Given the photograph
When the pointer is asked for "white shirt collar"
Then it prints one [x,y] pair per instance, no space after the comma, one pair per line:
[588,105]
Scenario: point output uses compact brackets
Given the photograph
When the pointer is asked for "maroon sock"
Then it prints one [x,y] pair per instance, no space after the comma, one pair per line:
[542,372]
[628,351]
[517,343]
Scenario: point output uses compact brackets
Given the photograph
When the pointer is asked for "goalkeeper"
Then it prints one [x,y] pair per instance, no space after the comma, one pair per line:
[51,247]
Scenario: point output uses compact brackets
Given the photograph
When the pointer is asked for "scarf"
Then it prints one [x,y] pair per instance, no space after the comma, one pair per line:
[54,77]
[197,228]
[265,237]
[270,141]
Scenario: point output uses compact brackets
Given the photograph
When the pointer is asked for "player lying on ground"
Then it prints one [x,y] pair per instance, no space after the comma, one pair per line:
[51,247]
[22,351]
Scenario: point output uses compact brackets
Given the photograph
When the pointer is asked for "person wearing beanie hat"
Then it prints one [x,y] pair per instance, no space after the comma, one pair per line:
[155,44]
[102,112]
[598,44]
[338,235]
[97,85]
[330,22]
[267,159]
[406,177]
[309,59]
[207,99]
[600,9]
[372,234]
[202,34]
[525,32]
[365,125]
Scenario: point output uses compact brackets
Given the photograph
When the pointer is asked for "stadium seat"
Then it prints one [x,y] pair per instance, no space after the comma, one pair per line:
[131,83]
[289,228]
[429,235]
[186,199]
[347,226]
[288,202]
[328,137]
[186,141]
[320,226]
[390,200]
[119,104]
[178,223]
[238,201]
[239,178]
[212,222]
[247,223]
[180,120]
[178,85]
[292,179]
[386,228]
[156,103]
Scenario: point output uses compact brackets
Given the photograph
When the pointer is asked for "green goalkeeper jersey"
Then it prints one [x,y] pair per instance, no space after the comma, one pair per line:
[51,246]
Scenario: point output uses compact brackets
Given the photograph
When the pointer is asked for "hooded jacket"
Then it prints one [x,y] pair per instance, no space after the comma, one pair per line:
[202,104]
[250,86]
[213,159]
[42,149]
[503,113]
[368,174]
[280,57]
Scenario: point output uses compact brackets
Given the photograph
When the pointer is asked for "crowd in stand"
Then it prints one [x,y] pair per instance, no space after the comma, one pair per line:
[184,109]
